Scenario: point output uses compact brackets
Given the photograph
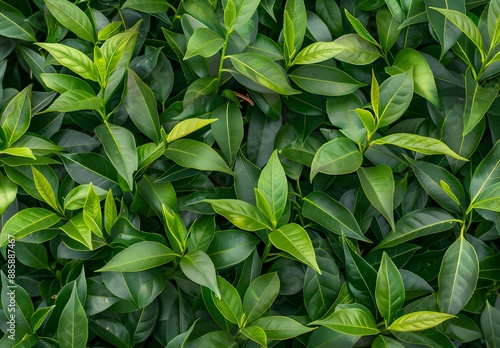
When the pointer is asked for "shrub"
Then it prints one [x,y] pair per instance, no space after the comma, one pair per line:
[203,173]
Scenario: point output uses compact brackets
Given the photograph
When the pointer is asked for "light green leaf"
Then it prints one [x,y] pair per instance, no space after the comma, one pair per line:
[92,213]
[204,42]
[418,223]
[229,303]
[478,101]
[72,330]
[378,185]
[8,192]
[418,143]
[110,212]
[489,199]
[390,289]
[228,130]
[458,276]
[293,239]
[140,103]
[396,94]
[465,24]
[119,145]
[490,324]
[72,59]
[188,126]
[332,215]
[27,221]
[77,229]
[19,152]
[273,186]
[281,328]
[256,334]
[350,319]
[46,191]
[75,100]
[382,341]
[243,12]
[139,257]
[324,80]
[417,321]
[294,27]
[423,79]
[198,267]
[317,52]
[354,49]
[16,117]
[263,71]
[70,16]
[240,213]
[115,48]
[62,83]
[336,157]
[360,28]
[147,6]
[175,230]
[38,317]
[195,154]
[13,24]
[76,198]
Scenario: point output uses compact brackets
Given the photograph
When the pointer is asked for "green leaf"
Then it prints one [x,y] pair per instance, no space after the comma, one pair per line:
[204,42]
[139,257]
[280,328]
[72,59]
[119,145]
[140,103]
[89,167]
[378,185]
[16,116]
[465,24]
[16,302]
[110,213]
[395,96]
[360,28]
[46,191]
[8,192]
[417,321]
[294,27]
[116,47]
[26,222]
[255,334]
[260,295]
[489,199]
[38,317]
[317,52]
[324,80]
[62,83]
[157,194]
[77,229]
[228,130]
[176,230]
[389,290]
[458,276]
[486,174]
[293,239]
[320,290]
[418,223]
[429,338]
[13,24]
[490,324]
[418,143]
[199,268]
[350,319]
[263,71]
[361,276]
[72,330]
[228,248]
[382,341]
[478,101]
[272,184]
[147,6]
[92,214]
[75,100]
[19,152]
[336,157]
[229,303]
[430,177]
[186,127]
[194,154]
[70,16]
[332,215]
[240,213]
[75,199]
[354,49]
[409,59]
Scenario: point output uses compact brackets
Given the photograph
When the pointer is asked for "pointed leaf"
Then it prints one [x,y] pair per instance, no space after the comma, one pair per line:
[240,213]
[8,192]
[256,334]
[353,319]
[395,96]
[186,127]
[336,157]
[13,24]
[260,295]
[228,130]
[417,321]
[70,16]
[272,185]
[198,267]
[293,239]
[77,229]
[204,42]
[72,330]
[281,328]
[487,173]
[16,116]
[458,276]
[490,324]
[229,303]
[390,289]
[354,49]
[45,190]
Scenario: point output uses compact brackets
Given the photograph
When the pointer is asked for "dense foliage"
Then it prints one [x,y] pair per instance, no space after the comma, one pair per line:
[246,173]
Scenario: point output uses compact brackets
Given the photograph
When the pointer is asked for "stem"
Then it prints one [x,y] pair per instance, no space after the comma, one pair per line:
[223,56]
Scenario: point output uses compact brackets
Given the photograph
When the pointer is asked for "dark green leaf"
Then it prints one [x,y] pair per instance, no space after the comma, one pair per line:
[72,330]
[228,130]
[281,328]
[336,157]
[390,290]
[70,16]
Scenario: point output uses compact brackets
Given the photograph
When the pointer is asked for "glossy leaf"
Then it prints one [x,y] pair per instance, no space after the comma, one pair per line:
[8,192]
[198,267]
[389,290]
[458,276]
[418,143]
[294,27]
[336,157]
[73,18]
[490,325]
[332,215]
[378,185]
[354,49]
[204,42]
[395,96]
[240,213]
[293,239]
[255,334]
[417,321]
[272,185]
[229,303]
[147,6]
[13,24]
[72,330]
[186,127]
[16,116]
[280,327]
[228,130]
[351,319]
[260,295]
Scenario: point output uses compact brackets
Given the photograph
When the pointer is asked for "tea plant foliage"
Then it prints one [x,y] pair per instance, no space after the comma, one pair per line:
[250,173]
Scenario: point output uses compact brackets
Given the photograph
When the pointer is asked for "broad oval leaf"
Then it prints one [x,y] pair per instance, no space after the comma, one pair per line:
[195,154]
[229,303]
[458,276]
[198,267]
[418,223]
[332,215]
[13,24]
[260,295]
[228,248]
[336,157]
[240,213]
[139,257]
[418,143]
[204,42]
[350,319]
[281,328]
[395,96]
[417,321]
[263,71]
[324,80]
[75,100]
[353,49]
[293,239]
[73,18]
